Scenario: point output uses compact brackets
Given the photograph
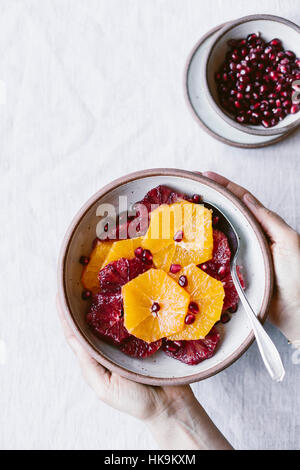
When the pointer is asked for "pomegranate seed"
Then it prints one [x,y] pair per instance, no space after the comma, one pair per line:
[175,268]
[275,43]
[189,319]
[155,307]
[294,109]
[197,198]
[215,220]
[265,123]
[240,118]
[268,49]
[225,317]
[172,347]
[252,38]
[285,61]
[139,252]
[204,267]
[182,281]
[283,69]
[84,260]
[263,89]
[86,294]
[264,105]
[277,111]
[147,256]
[178,237]
[222,271]
[255,106]
[290,54]
[193,307]
[274,75]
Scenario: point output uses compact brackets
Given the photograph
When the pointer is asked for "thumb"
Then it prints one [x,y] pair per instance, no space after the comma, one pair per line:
[274,226]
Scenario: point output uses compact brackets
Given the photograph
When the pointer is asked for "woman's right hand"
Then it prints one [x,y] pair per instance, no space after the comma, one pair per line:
[285,248]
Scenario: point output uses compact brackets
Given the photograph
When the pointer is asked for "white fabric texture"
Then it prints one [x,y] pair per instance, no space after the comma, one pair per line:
[92,90]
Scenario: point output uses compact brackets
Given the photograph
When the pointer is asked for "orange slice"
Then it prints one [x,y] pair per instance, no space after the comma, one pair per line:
[208,294]
[161,228]
[89,276]
[162,259]
[194,221]
[142,294]
[122,249]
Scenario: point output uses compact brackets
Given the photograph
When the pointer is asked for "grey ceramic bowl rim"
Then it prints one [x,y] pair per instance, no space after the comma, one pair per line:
[216,107]
[84,340]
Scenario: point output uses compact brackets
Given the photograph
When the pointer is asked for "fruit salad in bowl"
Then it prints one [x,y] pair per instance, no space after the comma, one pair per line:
[165,288]
[151,296]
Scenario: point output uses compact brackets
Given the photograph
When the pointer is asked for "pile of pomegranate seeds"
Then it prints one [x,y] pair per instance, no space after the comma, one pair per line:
[255,81]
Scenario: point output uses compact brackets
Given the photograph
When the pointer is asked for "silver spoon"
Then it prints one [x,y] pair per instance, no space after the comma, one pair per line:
[267,349]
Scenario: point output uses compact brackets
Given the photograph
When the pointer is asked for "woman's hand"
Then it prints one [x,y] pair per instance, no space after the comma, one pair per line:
[173,415]
[140,401]
[285,248]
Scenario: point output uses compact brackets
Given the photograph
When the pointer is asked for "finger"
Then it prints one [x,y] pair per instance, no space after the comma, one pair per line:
[93,372]
[237,190]
[274,226]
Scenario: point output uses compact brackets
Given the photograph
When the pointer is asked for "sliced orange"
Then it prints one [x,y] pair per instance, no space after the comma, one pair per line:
[197,244]
[194,221]
[162,259]
[122,249]
[89,276]
[142,294]
[208,294]
[161,228]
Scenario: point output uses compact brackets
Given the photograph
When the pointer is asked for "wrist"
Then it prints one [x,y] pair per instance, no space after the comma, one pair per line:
[177,407]
[184,425]
[173,427]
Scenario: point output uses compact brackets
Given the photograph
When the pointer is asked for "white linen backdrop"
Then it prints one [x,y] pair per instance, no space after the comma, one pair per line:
[91,90]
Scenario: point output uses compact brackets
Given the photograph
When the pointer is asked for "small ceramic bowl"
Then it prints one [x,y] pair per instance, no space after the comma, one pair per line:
[160,369]
[269,27]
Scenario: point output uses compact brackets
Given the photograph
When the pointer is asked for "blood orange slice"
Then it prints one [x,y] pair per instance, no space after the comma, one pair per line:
[193,352]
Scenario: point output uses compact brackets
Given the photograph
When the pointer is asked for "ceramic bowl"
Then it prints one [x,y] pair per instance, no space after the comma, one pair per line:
[269,27]
[236,335]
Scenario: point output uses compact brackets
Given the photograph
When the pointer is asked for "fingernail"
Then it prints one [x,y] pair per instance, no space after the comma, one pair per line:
[248,198]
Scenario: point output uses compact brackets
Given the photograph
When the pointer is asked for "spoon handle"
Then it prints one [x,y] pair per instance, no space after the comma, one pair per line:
[267,349]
